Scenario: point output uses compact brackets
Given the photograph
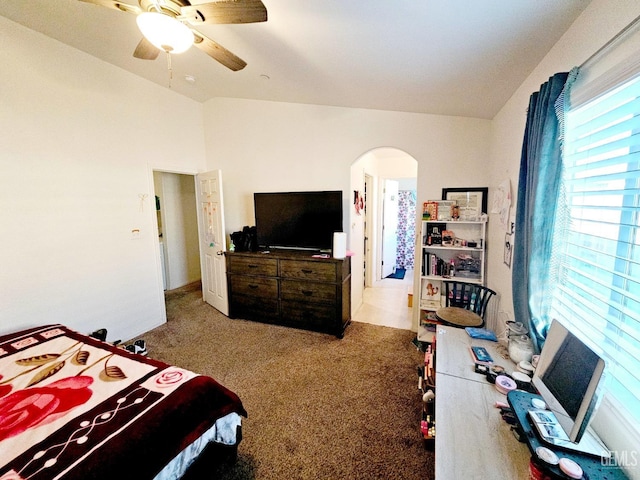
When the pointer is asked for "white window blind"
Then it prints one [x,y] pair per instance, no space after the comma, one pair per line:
[598,236]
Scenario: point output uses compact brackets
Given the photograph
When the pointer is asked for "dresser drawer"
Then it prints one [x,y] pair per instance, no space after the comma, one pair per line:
[309,315]
[253,286]
[308,291]
[316,271]
[267,267]
[254,308]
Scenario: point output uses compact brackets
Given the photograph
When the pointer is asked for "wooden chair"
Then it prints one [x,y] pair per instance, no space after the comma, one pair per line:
[470,296]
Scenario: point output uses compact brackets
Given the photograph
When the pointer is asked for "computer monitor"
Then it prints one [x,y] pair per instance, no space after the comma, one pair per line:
[568,377]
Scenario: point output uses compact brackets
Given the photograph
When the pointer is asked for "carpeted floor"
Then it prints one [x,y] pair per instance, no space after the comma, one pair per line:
[319,407]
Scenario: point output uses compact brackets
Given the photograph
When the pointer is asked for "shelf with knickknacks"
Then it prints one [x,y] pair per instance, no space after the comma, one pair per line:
[451,248]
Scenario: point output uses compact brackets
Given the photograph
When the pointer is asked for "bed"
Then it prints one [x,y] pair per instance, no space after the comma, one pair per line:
[73,407]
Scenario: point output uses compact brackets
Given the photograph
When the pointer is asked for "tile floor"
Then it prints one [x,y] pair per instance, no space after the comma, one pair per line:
[385,303]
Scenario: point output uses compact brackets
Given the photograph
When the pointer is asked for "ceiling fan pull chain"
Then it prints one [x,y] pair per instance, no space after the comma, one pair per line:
[169,68]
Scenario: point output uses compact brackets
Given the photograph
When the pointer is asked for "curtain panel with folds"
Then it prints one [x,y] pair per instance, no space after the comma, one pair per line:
[538,186]
[406,235]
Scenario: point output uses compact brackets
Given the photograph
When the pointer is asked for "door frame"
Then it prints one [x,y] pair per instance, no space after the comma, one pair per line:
[372,164]
[369,232]
[154,224]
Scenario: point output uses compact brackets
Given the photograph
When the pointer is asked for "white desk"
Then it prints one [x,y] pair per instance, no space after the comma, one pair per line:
[453,356]
[472,440]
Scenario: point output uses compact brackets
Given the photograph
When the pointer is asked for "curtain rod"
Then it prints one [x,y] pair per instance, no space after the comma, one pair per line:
[622,33]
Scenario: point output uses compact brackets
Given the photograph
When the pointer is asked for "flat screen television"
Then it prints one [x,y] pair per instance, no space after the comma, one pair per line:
[568,377]
[304,220]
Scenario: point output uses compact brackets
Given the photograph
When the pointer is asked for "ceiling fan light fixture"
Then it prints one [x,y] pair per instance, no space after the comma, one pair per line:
[165,32]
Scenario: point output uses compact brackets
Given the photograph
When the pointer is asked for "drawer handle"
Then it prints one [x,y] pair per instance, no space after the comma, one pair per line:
[252,266]
[308,293]
[253,286]
[307,271]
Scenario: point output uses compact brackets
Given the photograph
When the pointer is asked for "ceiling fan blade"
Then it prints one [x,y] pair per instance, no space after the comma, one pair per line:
[123,7]
[145,50]
[218,52]
[226,11]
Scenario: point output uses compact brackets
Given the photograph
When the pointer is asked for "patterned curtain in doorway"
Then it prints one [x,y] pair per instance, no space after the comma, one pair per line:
[406,229]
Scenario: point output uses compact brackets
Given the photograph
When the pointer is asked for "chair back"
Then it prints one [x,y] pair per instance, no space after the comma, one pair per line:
[470,296]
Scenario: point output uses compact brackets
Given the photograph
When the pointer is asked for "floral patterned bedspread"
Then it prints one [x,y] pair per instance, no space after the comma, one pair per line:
[74,407]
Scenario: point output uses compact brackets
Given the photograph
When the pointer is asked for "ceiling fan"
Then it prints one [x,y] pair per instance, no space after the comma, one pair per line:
[168,25]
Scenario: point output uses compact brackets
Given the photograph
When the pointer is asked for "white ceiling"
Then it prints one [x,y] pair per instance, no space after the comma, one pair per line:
[450,57]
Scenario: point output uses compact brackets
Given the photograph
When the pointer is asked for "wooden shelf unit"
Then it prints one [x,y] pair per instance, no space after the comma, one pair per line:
[469,265]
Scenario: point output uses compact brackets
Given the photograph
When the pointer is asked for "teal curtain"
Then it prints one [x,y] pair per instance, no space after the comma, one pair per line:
[538,186]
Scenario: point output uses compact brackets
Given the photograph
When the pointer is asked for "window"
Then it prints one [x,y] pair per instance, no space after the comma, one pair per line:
[597,236]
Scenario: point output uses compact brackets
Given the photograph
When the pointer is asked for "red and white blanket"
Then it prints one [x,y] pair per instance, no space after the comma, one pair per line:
[74,407]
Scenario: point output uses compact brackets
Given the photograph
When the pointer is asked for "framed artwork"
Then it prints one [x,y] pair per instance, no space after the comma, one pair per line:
[445,209]
[430,210]
[471,201]
[431,291]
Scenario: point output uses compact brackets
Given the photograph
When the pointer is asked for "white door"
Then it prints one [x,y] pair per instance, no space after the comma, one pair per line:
[212,240]
[389,227]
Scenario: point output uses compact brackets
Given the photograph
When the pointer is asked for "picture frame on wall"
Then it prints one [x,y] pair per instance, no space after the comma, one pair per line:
[471,201]
[508,249]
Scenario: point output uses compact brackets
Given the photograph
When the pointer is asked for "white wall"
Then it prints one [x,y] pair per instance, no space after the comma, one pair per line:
[273,146]
[79,139]
[408,184]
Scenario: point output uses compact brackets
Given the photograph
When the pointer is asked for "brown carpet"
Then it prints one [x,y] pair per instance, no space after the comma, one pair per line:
[319,407]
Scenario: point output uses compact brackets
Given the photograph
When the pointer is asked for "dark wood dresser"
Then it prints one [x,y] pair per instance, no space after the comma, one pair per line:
[292,288]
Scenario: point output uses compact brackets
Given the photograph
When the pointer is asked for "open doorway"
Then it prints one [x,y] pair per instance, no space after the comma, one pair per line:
[376,299]
[177,228]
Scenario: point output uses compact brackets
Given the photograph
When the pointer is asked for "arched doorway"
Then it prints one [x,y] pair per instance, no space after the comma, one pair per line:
[371,173]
